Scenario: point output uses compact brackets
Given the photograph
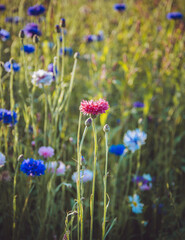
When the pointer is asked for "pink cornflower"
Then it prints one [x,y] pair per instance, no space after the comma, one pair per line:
[94,107]
[46,152]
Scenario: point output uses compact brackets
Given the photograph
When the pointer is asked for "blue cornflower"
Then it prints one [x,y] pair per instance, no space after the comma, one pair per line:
[29,48]
[120,7]
[15,66]
[12,20]
[2,7]
[174,15]
[138,104]
[8,117]
[117,149]
[137,207]
[4,35]
[134,139]
[32,29]
[33,167]
[36,10]
[50,68]
[67,51]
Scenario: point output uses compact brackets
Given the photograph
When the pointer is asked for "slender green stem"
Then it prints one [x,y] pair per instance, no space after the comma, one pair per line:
[11,89]
[78,171]
[94,178]
[63,56]
[129,175]
[58,58]
[105,186]
[46,117]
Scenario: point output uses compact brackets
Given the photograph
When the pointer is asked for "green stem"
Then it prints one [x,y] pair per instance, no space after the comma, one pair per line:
[11,89]
[105,186]
[46,117]
[63,53]
[94,178]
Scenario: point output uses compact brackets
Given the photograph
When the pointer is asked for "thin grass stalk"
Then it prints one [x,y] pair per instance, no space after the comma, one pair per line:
[46,116]
[58,59]
[63,56]
[94,178]
[105,186]
[78,180]
[11,89]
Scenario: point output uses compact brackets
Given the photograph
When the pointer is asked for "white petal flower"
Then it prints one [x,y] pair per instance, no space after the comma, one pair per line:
[41,78]
[2,159]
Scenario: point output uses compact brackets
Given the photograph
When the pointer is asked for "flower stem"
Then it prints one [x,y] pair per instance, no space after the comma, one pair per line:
[46,117]
[105,187]
[94,178]
[63,53]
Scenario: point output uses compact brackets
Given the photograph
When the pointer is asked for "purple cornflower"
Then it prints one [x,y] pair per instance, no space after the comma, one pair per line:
[15,67]
[143,182]
[174,15]
[138,104]
[32,167]
[32,29]
[2,7]
[36,10]
[4,35]
[120,7]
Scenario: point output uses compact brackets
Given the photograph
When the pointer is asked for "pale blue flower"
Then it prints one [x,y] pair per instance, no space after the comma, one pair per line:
[137,207]
[147,177]
[134,139]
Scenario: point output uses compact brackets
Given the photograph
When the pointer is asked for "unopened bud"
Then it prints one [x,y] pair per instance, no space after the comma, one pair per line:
[88,122]
[20,157]
[62,23]
[106,128]
[140,121]
[35,39]
[21,34]
[12,60]
[57,27]
[77,55]
[1,64]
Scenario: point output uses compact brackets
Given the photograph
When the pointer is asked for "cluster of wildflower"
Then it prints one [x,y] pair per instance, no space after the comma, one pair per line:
[15,19]
[85,176]
[36,10]
[117,149]
[67,51]
[32,29]
[56,167]
[4,35]
[2,160]
[134,201]
[143,182]
[32,167]
[46,152]
[94,108]
[94,38]
[15,66]
[134,139]
[8,117]
[41,78]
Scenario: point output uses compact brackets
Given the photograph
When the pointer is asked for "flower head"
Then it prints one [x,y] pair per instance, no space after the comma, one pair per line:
[94,38]
[120,7]
[4,35]
[51,68]
[2,160]
[15,66]
[32,29]
[8,117]
[29,48]
[15,20]
[85,176]
[2,7]
[117,149]
[137,207]
[46,152]
[67,51]
[174,15]
[94,107]
[58,167]
[134,139]
[36,10]
[138,104]
[42,77]
[33,167]
[143,182]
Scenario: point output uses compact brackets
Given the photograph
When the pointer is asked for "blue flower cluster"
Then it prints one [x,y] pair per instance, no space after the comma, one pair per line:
[8,117]
[15,66]
[94,38]
[29,48]
[174,15]
[32,167]
[67,51]
[4,35]
[32,29]
[117,149]
[120,7]
[36,10]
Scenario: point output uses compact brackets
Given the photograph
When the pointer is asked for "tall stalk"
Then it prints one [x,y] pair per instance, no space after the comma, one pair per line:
[94,178]
[106,129]
[46,116]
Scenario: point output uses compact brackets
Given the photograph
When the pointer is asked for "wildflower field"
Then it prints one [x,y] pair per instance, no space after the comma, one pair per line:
[92,120]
